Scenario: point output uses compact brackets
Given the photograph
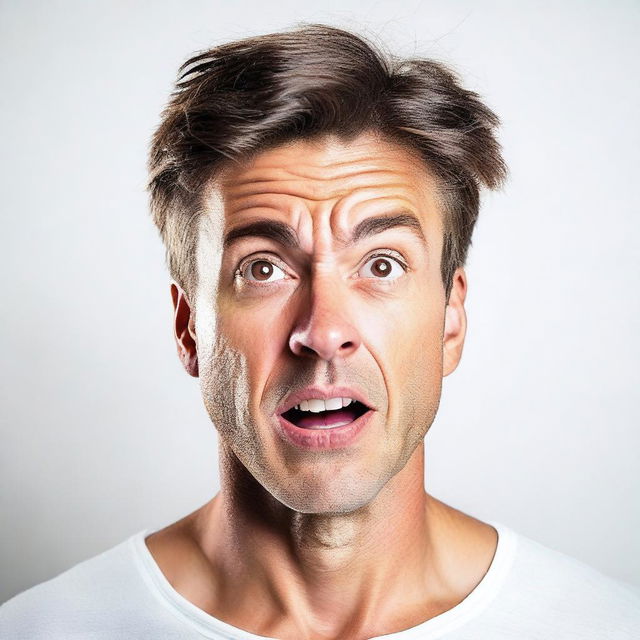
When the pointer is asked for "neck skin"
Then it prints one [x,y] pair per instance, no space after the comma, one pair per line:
[254,563]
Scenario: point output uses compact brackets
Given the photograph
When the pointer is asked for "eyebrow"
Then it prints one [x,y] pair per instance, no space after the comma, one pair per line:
[283,234]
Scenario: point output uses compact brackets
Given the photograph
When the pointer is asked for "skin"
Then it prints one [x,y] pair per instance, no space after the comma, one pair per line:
[323,544]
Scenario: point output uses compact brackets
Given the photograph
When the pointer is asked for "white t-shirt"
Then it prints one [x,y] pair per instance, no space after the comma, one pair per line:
[529,592]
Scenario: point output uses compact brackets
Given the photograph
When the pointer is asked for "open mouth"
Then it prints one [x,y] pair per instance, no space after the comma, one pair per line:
[314,417]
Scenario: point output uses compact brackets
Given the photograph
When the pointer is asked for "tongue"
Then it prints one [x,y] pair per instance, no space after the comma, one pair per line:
[327,419]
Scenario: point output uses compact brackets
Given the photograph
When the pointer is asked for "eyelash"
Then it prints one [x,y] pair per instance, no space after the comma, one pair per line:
[245,263]
[381,253]
[376,254]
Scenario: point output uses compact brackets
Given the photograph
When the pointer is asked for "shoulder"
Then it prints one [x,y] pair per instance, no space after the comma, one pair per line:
[567,595]
[89,595]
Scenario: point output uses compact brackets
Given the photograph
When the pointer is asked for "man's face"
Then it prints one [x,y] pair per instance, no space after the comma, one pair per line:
[363,318]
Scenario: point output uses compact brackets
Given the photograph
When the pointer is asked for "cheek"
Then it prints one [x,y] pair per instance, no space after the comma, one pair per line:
[224,370]
[410,338]
[259,334]
[412,356]
[238,362]
[224,386]
[422,375]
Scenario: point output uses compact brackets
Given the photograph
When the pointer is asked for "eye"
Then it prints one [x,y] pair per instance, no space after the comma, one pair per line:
[382,267]
[261,270]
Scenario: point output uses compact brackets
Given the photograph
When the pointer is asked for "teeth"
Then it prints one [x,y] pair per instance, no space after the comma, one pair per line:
[316,405]
[333,403]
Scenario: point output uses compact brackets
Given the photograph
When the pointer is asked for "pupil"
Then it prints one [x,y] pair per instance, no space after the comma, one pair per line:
[261,269]
[381,267]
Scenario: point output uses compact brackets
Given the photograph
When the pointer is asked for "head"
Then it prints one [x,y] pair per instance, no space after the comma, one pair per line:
[317,201]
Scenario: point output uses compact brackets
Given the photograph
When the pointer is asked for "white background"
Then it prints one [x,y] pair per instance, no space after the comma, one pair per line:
[103,434]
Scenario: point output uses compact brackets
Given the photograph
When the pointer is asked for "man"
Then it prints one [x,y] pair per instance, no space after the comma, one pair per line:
[317,201]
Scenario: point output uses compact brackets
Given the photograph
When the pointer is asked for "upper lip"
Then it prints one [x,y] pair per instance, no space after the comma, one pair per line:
[322,393]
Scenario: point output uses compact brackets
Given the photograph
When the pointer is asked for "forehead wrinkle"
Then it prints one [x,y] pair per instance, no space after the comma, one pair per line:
[327,225]
[312,195]
[318,171]
[290,167]
[374,201]
[314,171]
[314,191]
[316,158]
[279,203]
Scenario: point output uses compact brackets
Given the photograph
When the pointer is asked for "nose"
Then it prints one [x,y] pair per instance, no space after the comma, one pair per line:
[325,330]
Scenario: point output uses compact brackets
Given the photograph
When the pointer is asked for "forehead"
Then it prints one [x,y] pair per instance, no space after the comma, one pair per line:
[329,182]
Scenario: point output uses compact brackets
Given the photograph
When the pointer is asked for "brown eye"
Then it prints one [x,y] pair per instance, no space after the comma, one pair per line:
[262,271]
[382,268]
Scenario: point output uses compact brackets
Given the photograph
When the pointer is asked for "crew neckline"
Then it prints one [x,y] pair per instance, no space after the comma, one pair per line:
[210,627]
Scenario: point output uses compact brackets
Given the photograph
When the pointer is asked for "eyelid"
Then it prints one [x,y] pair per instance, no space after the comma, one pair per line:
[391,253]
[387,253]
[260,255]
[384,281]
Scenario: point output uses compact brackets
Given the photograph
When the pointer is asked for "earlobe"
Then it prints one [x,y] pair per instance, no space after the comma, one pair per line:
[184,330]
[455,324]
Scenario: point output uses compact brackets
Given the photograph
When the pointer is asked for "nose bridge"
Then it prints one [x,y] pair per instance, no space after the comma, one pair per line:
[324,327]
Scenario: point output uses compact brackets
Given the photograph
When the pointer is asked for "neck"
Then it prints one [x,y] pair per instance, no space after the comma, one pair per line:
[357,574]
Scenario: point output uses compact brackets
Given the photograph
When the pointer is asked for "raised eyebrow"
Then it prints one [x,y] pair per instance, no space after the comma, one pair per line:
[283,234]
[377,224]
[272,229]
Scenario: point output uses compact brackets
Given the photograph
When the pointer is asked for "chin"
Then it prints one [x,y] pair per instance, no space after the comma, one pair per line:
[330,497]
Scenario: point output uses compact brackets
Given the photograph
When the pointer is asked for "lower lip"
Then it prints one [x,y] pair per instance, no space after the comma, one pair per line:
[317,439]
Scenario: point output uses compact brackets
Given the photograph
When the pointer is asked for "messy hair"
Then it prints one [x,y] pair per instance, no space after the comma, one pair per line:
[240,98]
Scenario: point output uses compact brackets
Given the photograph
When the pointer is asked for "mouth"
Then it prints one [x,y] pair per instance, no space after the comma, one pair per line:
[323,418]
[313,416]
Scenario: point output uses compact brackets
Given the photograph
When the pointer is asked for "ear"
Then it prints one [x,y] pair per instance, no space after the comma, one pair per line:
[455,323]
[184,330]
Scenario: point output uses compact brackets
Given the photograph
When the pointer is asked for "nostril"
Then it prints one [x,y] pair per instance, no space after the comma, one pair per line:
[305,350]
[324,340]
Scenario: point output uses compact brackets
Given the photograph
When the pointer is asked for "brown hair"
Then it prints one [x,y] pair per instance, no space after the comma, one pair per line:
[242,97]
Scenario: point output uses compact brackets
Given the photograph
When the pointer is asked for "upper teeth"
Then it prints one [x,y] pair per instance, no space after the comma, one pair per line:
[316,405]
